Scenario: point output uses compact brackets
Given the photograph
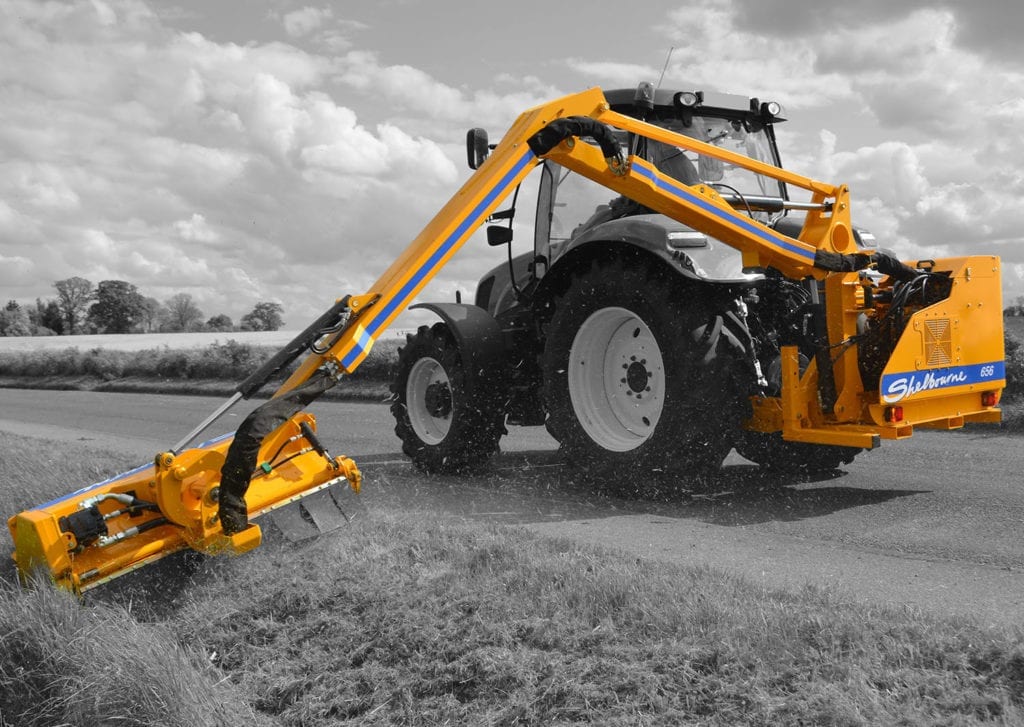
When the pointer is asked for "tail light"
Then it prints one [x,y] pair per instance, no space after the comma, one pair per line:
[893,414]
[989,398]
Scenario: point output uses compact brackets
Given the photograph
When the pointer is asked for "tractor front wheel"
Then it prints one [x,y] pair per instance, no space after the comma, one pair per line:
[444,426]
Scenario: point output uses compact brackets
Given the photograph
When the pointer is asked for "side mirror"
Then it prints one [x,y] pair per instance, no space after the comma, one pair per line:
[477,147]
[498,235]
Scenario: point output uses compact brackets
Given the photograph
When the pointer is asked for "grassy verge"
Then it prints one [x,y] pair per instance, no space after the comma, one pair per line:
[403,619]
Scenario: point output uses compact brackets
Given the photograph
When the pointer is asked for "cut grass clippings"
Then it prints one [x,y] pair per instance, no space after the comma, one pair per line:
[401,618]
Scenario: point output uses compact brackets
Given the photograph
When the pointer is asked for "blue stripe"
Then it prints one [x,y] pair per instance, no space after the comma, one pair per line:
[111,480]
[90,488]
[716,211]
[904,385]
[470,222]
[358,347]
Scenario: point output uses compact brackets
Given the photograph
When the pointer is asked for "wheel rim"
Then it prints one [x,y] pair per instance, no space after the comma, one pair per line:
[616,379]
[428,397]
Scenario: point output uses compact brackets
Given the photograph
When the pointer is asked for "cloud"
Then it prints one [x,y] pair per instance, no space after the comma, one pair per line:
[155,145]
[297,171]
[321,27]
[303,22]
[13,270]
[713,49]
[196,229]
[980,28]
[419,101]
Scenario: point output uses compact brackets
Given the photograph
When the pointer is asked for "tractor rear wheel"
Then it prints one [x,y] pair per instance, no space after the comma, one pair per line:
[444,426]
[639,379]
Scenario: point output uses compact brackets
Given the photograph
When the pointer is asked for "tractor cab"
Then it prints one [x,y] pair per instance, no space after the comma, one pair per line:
[573,211]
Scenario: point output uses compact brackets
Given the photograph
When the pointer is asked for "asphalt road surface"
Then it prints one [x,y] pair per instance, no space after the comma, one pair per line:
[931,523]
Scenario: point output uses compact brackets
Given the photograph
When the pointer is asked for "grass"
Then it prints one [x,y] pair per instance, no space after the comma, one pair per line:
[407,619]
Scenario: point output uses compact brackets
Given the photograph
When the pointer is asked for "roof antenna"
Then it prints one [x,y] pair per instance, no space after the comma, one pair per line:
[667,59]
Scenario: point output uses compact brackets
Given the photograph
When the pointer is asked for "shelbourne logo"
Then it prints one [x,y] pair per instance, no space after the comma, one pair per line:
[900,386]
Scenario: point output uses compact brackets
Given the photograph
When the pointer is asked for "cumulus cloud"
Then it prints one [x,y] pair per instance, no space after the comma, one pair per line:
[128,138]
[302,22]
[321,27]
[980,28]
[196,229]
[421,101]
[712,49]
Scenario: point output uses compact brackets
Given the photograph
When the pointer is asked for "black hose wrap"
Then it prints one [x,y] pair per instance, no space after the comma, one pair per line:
[561,129]
[244,450]
[885,262]
[836,262]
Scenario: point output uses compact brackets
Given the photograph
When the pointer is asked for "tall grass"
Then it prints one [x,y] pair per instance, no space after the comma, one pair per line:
[63,664]
[405,618]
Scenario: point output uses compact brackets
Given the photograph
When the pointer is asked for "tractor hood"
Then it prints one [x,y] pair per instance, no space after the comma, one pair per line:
[695,253]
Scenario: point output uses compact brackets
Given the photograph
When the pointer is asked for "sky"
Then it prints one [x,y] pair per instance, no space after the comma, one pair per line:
[288,151]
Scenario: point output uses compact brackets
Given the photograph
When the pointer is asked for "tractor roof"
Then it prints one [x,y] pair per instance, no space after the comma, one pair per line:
[669,102]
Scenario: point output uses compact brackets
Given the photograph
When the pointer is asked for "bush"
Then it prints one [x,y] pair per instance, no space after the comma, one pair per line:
[1014,370]
[143,363]
[173,365]
[65,362]
[381,364]
[103,364]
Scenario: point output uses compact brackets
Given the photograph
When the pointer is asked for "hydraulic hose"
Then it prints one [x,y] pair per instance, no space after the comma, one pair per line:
[244,450]
[560,129]
[330,320]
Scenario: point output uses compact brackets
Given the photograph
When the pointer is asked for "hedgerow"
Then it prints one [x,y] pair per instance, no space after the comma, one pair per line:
[230,361]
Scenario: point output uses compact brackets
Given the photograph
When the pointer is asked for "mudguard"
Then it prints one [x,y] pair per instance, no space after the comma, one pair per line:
[481,345]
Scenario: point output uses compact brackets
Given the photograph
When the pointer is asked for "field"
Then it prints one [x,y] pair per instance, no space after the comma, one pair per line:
[403,618]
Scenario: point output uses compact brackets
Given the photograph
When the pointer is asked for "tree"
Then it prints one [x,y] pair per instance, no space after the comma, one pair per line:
[220,322]
[47,318]
[265,316]
[119,306]
[14,320]
[182,313]
[152,312]
[73,298]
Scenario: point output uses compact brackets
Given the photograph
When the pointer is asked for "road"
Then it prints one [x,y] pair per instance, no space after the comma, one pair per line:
[931,523]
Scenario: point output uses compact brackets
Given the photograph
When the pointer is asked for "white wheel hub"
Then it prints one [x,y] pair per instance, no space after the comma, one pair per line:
[428,399]
[616,379]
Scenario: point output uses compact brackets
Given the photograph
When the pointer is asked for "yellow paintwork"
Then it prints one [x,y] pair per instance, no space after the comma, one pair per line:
[184,488]
[970,318]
